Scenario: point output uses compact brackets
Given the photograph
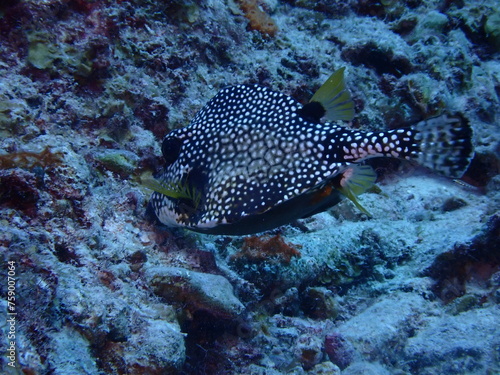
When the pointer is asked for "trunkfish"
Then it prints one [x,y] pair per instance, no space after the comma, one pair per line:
[253,159]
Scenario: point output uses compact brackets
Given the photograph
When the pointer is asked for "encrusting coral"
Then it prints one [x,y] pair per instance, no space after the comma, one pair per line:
[273,249]
[29,160]
[259,20]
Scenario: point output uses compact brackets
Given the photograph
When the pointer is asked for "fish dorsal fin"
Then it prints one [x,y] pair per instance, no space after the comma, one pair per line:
[334,99]
[356,180]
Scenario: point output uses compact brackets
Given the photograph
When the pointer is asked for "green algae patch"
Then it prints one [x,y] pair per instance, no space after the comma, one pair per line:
[118,161]
[41,55]
[45,54]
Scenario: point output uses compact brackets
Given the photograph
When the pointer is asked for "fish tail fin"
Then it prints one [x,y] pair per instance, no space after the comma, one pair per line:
[445,144]
[332,101]
[356,180]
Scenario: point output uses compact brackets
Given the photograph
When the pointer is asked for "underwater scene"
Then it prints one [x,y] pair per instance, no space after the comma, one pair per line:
[258,187]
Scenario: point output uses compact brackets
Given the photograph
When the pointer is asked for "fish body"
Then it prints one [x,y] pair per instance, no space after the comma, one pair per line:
[253,159]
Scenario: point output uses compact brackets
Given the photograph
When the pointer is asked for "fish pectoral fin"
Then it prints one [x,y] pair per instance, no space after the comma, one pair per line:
[355,181]
[334,98]
[175,190]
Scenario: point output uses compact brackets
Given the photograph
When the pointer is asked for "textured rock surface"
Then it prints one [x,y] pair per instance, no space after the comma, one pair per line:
[455,345]
[89,88]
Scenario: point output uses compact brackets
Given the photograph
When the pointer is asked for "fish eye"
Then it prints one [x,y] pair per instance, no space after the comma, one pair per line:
[171,149]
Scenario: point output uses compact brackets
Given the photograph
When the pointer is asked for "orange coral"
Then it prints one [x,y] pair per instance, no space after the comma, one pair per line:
[29,160]
[259,20]
[267,248]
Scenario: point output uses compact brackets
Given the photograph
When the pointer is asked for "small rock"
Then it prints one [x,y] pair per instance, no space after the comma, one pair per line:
[157,348]
[319,303]
[452,204]
[309,350]
[365,368]
[339,350]
[429,25]
[462,304]
[325,368]
[137,260]
[196,290]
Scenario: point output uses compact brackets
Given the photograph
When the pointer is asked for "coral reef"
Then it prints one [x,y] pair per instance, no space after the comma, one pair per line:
[89,88]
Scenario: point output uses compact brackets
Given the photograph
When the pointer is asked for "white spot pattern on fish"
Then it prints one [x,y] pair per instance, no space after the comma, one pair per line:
[255,159]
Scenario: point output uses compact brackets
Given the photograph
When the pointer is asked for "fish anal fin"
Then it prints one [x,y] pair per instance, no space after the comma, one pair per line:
[355,181]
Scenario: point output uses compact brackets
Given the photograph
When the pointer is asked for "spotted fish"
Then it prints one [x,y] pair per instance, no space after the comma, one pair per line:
[253,159]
